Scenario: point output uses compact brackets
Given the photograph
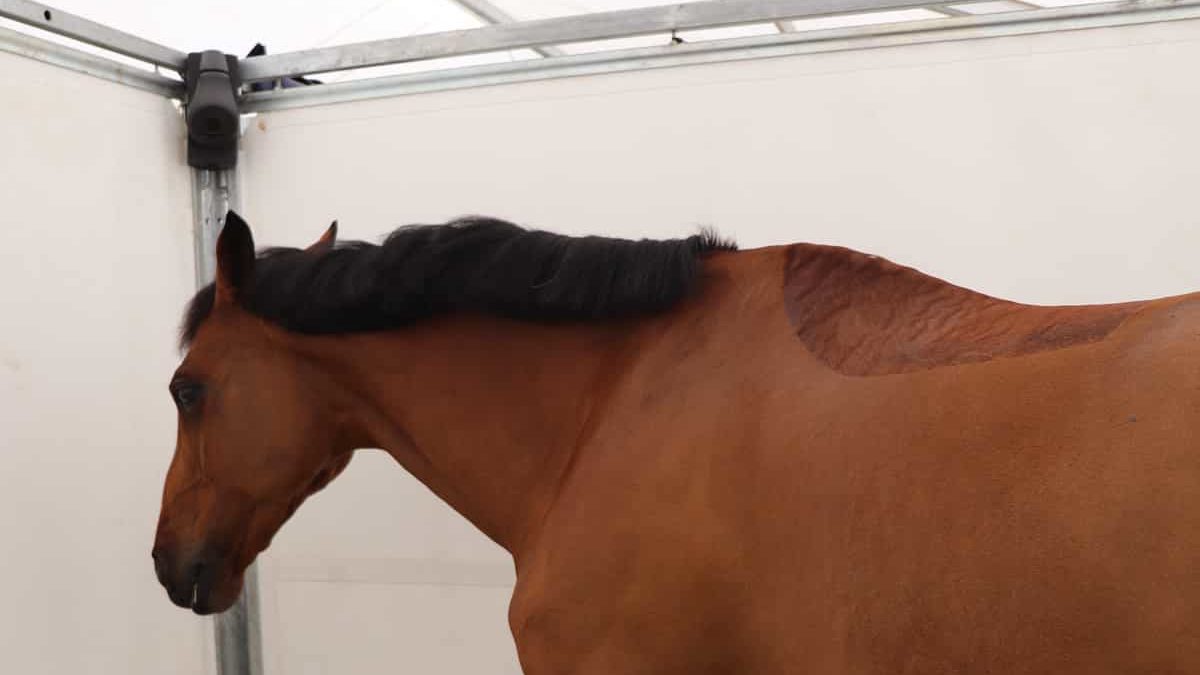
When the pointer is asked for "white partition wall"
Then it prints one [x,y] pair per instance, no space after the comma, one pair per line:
[1050,168]
[95,265]
[1012,164]
[1046,156]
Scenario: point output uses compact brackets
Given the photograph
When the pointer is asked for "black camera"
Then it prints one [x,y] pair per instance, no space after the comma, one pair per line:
[212,111]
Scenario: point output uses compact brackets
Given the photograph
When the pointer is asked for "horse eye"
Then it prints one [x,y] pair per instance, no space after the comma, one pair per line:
[186,394]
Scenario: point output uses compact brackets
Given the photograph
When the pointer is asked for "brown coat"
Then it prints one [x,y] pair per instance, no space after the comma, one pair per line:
[820,463]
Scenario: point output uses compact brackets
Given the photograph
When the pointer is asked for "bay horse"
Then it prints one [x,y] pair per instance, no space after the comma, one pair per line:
[794,459]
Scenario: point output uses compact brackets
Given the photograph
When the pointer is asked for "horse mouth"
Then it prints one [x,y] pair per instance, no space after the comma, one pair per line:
[184,601]
[202,608]
[190,596]
[212,594]
[199,598]
[201,586]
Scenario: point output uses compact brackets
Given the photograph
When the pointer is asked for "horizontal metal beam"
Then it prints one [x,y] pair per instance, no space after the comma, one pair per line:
[1078,17]
[73,59]
[490,13]
[582,28]
[947,10]
[92,33]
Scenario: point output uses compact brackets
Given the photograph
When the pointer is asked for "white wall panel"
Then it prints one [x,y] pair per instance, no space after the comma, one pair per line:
[95,264]
[1055,168]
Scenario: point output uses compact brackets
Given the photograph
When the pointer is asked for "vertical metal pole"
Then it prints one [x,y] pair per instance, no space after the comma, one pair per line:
[238,635]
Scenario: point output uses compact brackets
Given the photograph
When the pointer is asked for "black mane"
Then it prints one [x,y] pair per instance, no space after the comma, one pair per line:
[471,264]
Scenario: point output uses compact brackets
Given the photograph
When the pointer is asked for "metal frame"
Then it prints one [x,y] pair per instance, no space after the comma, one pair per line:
[92,33]
[543,34]
[237,632]
[97,66]
[946,29]
[214,193]
[582,28]
[486,11]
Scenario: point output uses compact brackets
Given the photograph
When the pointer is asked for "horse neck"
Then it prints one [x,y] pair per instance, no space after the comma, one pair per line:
[485,412]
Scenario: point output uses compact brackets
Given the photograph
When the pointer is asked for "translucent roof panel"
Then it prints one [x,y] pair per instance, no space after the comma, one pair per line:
[991,7]
[750,30]
[527,10]
[1067,3]
[867,19]
[234,26]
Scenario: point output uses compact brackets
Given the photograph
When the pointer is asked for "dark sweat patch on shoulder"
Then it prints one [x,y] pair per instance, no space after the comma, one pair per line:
[863,315]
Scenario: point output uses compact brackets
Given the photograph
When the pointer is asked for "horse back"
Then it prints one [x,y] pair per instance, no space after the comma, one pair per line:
[902,477]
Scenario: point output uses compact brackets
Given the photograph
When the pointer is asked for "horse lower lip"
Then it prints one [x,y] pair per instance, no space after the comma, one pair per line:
[202,604]
[184,598]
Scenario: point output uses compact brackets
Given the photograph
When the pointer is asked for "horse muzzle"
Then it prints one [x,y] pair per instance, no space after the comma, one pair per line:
[194,582]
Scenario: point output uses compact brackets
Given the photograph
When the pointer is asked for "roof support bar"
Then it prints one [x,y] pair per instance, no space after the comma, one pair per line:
[1078,17]
[97,66]
[92,33]
[586,27]
[948,10]
[485,10]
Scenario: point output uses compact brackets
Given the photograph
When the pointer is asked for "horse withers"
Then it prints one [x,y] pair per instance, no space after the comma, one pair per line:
[702,460]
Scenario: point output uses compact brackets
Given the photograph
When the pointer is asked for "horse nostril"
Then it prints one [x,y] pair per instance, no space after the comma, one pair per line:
[161,567]
[196,570]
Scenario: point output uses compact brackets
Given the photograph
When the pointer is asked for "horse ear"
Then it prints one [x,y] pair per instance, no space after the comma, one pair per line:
[235,259]
[326,241]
